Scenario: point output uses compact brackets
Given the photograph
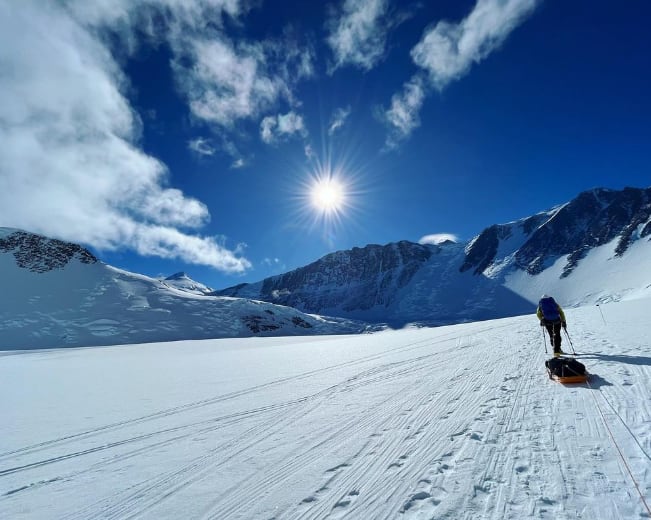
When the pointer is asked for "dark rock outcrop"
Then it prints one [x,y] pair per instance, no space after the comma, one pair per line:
[40,254]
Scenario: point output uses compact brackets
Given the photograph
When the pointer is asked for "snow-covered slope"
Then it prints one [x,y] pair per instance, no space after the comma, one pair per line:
[456,422]
[57,294]
[596,247]
[183,282]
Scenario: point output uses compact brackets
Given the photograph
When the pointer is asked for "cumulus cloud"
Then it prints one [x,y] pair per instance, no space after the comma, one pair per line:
[438,238]
[282,126]
[447,51]
[70,165]
[338,120]
[358,34]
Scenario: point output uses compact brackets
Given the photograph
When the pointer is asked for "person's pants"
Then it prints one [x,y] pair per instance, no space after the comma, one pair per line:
[554,329]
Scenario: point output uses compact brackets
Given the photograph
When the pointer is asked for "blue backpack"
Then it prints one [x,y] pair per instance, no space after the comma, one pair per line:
[549,309]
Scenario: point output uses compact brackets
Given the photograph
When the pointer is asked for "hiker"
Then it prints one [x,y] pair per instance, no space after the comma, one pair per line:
[552,317]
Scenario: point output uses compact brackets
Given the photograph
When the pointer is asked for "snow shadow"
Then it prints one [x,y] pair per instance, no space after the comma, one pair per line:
[620,358]
[595,382]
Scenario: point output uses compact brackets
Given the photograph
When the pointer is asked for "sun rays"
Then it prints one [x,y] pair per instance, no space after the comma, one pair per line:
[328,195]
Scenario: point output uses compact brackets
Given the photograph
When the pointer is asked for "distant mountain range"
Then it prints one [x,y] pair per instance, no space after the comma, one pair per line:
[593,249]
[57,294]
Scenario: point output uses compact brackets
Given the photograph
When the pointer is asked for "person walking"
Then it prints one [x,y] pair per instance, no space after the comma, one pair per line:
[552,317]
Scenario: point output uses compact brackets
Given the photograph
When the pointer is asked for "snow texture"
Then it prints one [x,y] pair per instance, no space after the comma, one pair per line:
[455,422]
[55,294]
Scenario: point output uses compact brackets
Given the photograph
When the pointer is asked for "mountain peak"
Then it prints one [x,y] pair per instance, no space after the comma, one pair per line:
[181,275]
[41,254]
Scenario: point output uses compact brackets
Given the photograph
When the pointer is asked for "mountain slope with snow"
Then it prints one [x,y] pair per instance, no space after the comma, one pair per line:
[596,247]
[57,294]
[455,422]
[183,282]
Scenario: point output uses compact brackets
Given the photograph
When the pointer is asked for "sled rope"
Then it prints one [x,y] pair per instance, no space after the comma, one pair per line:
[619,450]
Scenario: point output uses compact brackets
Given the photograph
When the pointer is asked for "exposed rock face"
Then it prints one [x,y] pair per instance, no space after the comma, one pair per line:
[358,279]
[398,280]
[40,254]
[593,219]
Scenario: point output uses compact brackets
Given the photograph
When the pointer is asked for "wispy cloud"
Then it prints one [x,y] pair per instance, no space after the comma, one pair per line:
[224,84]
[403,116]
[201,146]
[447,51]
[358,33]
[438,238]
[70,165]
[338,120]
[238,163]
[271,261]
[224,80]
[279,127]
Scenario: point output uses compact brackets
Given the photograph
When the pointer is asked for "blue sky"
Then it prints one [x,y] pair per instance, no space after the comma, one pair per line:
[189,136]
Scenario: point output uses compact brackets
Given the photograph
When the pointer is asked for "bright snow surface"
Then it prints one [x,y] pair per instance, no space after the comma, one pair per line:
[432,423]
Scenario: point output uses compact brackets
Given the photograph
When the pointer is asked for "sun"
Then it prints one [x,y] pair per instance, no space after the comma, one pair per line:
[328,198]
[328,195]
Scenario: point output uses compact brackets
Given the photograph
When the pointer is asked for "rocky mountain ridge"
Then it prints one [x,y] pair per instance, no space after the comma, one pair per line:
[594,249]
[57,294]
[40,254]
[395,282]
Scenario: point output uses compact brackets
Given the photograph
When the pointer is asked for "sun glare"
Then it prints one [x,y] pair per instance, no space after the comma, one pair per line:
[328,199]
[328,195]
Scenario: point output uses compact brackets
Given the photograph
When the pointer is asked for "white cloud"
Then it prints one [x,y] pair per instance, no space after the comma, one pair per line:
[438,238]
[70,166]
[358,36]
[225,84]
[309,152]
[223,80]
[281,126]
[403,116]
[447,51]
[238,163]
[201,146]
[339,118]
[167,242]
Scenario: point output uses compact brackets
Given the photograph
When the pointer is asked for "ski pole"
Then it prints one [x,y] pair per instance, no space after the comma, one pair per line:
[602,314]
[544,340]
[570,340]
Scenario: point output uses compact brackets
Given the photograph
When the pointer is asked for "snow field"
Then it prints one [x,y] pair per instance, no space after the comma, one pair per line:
[446,423]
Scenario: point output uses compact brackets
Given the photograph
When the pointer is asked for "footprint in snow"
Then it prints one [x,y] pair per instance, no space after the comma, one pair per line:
[336,468]
[414,499]
[339,510]
[475,436]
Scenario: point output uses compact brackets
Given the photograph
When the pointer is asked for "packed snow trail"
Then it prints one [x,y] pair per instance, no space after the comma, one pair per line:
[446,423]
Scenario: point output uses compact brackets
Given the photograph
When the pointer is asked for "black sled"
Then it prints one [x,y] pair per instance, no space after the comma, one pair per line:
[566,370]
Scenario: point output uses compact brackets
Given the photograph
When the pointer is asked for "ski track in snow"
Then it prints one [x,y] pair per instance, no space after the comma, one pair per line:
[447,423]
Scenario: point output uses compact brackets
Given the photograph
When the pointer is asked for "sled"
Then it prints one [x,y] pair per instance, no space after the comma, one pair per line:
[566,370]
[569,380]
